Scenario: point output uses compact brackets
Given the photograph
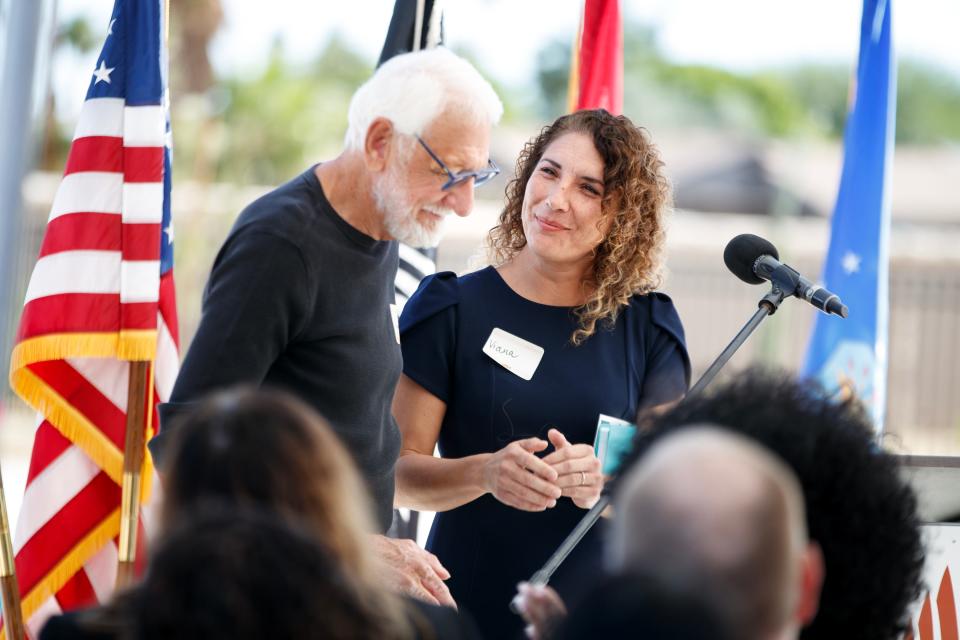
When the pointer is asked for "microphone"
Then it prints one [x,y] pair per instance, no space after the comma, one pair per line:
[753,260]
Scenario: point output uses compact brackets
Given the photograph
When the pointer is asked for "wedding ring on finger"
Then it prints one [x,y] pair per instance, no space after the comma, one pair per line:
[583,478]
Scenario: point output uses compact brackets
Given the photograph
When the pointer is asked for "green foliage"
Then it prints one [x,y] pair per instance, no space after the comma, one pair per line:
[928,105]
[266,128]
[78,34]
[800,100]
[553,74]
[928,100]
[263,128]
[760,103]
[514,108]
[822,91]
[272,125]
[340,65]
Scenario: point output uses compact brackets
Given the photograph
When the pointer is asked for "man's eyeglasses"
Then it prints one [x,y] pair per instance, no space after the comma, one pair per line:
[479,176]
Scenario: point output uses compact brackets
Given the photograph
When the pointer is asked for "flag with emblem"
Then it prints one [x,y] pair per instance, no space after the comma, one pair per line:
[850,356]
[101,295]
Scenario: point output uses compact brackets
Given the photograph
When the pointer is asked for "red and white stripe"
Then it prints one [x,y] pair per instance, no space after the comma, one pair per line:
[98,272]
[100,258]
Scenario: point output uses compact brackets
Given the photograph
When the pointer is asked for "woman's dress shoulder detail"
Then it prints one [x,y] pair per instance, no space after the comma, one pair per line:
[664,316]
[428,334]
[436,292]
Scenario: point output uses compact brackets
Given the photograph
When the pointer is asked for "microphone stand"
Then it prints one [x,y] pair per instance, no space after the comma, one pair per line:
[768,305]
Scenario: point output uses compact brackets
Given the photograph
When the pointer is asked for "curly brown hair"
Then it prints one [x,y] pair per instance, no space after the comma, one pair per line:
[860,509]
[636,197]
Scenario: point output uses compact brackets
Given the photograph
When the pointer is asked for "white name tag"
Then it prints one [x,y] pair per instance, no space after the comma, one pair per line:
[395,316]
[515,354]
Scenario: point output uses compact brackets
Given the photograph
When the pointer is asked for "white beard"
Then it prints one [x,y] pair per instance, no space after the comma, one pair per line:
[400,215]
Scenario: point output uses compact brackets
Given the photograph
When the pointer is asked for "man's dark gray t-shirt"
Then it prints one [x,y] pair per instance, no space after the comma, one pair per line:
[298,299]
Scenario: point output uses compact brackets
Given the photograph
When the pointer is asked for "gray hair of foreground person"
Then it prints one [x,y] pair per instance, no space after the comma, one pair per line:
[712,512]
[414,89]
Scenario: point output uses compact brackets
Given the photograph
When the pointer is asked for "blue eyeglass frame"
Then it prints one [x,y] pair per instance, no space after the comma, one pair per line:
[480,176]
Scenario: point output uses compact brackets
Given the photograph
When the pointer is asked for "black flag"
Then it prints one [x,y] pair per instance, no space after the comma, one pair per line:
[403,28]
[412,18]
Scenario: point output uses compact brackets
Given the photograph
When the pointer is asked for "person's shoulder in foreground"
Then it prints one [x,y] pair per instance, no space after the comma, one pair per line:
[76,626]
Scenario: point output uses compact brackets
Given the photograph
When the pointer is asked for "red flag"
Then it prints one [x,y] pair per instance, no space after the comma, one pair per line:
[101,294]
[597,70]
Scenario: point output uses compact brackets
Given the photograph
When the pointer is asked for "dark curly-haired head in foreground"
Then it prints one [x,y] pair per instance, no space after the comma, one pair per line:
[859,510]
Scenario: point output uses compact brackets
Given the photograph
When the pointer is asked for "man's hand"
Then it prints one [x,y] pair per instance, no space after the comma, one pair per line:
[542,609]
[410,570]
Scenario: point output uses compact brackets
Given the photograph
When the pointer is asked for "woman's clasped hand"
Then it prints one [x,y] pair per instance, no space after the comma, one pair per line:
[578,470]
[515,476]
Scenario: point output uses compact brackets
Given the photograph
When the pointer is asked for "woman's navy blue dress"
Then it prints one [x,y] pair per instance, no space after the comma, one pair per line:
[487,546]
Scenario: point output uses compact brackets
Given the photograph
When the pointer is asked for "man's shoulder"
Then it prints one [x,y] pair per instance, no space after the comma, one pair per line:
[287,211]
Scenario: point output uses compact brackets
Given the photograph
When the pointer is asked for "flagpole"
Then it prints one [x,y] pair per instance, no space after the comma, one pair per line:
[133,455]
[573,82]
[418,26]
[24,26]
[139,403]
[12,613]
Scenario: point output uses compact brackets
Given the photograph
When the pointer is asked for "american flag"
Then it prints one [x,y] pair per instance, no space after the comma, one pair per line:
[101,294]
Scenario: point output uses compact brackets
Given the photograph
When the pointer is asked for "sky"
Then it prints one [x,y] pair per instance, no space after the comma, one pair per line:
[737,34]
[506,34]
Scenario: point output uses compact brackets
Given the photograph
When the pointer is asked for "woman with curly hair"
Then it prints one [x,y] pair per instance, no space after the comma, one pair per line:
[503,363]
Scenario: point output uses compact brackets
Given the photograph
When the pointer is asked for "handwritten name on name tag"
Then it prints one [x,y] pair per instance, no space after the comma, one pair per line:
[515,354]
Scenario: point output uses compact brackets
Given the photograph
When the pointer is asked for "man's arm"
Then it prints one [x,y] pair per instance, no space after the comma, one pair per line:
[256,301]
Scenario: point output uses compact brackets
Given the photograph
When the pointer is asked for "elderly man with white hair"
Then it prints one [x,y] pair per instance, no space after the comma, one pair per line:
[715,516]
[301,295]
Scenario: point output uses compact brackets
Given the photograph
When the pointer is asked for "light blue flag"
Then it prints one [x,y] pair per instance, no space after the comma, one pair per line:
[850,355]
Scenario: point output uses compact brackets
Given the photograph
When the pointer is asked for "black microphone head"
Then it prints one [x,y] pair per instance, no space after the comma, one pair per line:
[742,252]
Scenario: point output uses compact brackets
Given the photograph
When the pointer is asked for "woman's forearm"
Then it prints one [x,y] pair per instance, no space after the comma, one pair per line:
[428,483]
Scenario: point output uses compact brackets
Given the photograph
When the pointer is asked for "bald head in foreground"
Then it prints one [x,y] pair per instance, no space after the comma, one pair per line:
[712,513]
